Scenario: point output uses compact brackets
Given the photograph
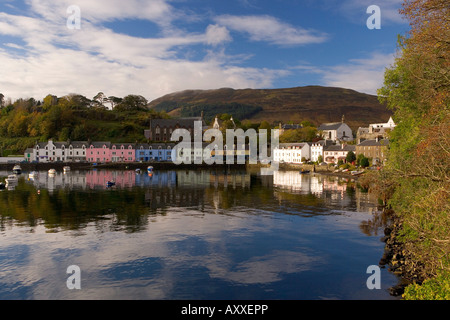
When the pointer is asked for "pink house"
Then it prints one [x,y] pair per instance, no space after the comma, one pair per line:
[123,152]
[99,152]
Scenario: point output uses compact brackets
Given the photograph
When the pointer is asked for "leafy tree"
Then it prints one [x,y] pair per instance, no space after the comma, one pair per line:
[132,103]
[417,89]
[350,157]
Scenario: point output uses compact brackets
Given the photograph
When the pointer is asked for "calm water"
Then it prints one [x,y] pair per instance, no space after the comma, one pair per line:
[189,235]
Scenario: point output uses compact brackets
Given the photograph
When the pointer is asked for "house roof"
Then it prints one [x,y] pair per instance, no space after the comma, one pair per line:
[330,126]
[100,144]
[290,145]
[374,142]
[291,126]
[323,142]
[347,147]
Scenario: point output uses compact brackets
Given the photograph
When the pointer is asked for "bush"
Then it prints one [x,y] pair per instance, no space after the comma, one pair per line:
[432,289]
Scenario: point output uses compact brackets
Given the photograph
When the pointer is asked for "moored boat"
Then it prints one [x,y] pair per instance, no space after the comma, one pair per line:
[356,172]
[149,169]
[110,183]
[17,169]
[51,171]
[66,168]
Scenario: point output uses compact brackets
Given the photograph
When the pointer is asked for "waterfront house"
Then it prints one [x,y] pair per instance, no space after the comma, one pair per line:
[334,153]
[154,152]
[292,152]
[76,151]
[99,152]
[123,152]
[336,131]
[375,149]
[318,147]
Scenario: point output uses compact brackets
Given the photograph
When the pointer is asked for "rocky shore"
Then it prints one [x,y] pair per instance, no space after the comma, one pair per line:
[395,257]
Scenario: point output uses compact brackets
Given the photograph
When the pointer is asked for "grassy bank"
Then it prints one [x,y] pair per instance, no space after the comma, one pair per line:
[418,242]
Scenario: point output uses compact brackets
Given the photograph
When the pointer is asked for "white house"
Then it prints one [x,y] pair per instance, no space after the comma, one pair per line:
[336,131]
[49,151]
[292,152]
[374,127]
[76,151]
[318,147]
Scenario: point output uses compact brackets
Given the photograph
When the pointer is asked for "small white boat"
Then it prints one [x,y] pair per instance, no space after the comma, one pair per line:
[66,168]
[149,169]
[11,179]
[17,169]
[138,170]
[33,174]
[51,171]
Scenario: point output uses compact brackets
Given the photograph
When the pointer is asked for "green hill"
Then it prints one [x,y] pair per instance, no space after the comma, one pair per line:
[314,103]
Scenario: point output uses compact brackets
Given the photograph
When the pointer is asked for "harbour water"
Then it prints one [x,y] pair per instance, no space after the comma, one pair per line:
[189,234]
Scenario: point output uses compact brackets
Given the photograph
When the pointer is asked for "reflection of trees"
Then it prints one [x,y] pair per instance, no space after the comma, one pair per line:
[379,220]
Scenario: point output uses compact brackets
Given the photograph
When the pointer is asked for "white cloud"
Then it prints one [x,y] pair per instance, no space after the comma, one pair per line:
[363,75]
[270,29]
[62,61]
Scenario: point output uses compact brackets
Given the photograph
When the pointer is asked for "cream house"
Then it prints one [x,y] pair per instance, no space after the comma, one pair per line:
[292,152]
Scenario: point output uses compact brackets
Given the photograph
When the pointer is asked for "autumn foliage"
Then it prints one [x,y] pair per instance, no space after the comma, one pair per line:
[417,89]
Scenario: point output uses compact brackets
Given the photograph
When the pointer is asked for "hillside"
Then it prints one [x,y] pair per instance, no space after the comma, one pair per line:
[315,103]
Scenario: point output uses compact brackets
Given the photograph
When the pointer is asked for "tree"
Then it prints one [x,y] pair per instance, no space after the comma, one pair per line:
[132,103]
[417,89]
[350,157]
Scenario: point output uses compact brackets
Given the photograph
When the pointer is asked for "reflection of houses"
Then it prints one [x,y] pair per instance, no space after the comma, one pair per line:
[334,153]
[99,178]
[375,130]
[374,149]
[336,131]
[291,180]
[158,179]
[233,180]
[292,152]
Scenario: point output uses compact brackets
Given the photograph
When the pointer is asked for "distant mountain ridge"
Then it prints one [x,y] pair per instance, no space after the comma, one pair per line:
[314,103]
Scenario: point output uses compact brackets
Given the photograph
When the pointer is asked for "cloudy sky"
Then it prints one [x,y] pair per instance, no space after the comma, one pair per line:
[155,47]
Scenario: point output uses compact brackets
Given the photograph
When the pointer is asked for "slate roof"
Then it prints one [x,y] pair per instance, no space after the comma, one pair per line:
[374,142]
[330,126]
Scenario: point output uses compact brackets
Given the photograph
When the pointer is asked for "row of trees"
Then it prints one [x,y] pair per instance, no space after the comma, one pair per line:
[74,117]
[416,179]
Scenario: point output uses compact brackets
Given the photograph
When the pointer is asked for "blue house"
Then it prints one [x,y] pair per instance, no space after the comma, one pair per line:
[154,152]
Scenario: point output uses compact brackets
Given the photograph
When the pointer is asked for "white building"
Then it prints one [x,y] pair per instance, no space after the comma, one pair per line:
[336,131]
[318,147]
[57,151]
[374,127]
[292,152]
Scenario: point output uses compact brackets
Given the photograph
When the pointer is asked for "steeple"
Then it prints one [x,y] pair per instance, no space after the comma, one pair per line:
[343,118]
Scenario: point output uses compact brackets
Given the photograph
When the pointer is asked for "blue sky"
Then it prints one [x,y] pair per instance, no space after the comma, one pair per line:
[155,47]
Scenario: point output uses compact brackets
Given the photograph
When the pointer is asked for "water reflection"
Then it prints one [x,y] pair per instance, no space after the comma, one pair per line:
[187,234]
